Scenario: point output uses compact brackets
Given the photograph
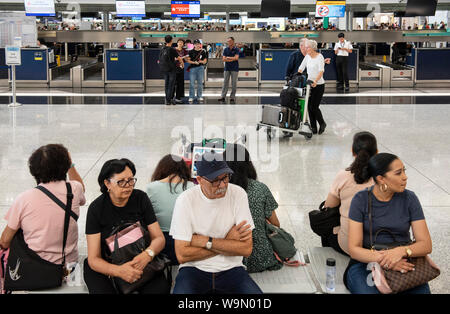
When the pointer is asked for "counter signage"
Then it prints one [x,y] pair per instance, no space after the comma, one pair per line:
[114,56]
[12,55]
[38,56]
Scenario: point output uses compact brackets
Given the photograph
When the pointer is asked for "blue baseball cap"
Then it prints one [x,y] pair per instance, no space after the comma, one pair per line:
[212,165]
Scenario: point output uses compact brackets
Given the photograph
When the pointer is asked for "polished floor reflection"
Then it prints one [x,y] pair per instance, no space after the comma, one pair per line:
[298,172]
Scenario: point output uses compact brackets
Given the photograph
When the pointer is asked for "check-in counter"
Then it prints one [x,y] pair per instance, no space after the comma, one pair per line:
[272,65]
[124,67]
[247,76]
[432,67]
[369,75]
[4,74]
[401,76]
[34,68]
[153,75]
[330,74]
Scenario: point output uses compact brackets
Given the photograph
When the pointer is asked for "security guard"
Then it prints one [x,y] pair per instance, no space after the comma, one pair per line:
[342,49]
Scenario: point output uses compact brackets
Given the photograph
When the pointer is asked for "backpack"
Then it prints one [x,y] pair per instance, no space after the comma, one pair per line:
[298,80]
[282,245]
[165,64]
[289,98]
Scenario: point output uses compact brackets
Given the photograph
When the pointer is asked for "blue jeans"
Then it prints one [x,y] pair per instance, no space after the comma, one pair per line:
[196,74]
[358,275]
[191,280]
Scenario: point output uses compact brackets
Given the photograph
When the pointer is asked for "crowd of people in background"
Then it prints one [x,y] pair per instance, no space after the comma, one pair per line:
[221,27]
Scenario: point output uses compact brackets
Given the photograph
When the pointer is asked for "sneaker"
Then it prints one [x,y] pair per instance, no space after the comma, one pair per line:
[347,89]
[201,99]
[222,99]
[191,100]
[178,101]
[232,100]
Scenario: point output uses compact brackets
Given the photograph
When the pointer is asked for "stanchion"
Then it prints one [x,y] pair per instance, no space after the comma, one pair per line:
[14,102]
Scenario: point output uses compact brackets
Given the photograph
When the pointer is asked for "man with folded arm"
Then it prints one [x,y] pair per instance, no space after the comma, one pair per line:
[212,227]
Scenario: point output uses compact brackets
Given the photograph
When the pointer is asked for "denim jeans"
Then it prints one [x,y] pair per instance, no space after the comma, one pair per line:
[169,85]
[196,74]
[191,280]
[357,281]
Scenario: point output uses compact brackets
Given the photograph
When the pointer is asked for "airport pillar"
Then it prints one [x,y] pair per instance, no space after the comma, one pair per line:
[227,25]
[105,21]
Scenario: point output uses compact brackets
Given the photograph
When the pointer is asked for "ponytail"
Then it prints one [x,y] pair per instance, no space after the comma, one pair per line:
[364,147]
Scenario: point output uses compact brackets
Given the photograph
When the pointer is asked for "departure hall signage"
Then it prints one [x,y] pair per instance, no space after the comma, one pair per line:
[330,8]
[40,7]
[130,8]
[185,9]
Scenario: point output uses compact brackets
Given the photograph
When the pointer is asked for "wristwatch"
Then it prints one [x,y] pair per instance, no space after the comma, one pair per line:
[150,253]
[408,251]
[209,243]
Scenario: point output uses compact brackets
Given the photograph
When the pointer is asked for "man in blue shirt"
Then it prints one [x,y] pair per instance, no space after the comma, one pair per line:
[230,58]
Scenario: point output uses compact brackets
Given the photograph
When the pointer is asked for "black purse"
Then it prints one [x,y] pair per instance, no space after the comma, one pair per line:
[25,269]
[127,241]
[324,219]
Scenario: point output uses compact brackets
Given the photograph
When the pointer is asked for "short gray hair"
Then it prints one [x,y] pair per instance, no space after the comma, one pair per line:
[312,43]
[303,41]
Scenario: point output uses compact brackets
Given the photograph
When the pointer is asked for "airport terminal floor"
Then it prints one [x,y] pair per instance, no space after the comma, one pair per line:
[98,125]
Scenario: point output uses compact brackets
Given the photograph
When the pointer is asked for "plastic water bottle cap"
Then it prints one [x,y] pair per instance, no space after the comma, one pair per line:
[331,262]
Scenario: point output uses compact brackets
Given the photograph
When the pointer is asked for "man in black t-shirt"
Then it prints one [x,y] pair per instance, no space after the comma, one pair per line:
[168,58]
[197,61]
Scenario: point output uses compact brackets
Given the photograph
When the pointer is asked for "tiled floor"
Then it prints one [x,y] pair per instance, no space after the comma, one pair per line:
[298,172]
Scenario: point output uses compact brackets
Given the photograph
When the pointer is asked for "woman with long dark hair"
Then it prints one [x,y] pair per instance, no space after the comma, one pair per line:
[262,206]
[394,208]
[170,178]
[347,183]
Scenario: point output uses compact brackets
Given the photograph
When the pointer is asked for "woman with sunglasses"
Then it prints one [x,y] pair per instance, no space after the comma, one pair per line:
[120,203]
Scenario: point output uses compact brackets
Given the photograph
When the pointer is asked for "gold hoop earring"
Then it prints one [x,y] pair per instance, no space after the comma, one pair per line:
[384,188]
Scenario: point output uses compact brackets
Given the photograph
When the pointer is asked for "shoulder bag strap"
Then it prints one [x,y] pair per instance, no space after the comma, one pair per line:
[68,209]
[369,194]
[57,201]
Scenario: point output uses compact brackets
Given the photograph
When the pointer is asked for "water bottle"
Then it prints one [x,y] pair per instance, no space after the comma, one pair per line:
[331,275]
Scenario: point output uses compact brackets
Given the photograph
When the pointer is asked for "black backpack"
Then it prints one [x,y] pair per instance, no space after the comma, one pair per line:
[165,64]
[289,98]
[298,80]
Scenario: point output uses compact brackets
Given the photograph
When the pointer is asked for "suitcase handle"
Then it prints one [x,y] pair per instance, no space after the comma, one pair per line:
[280,117]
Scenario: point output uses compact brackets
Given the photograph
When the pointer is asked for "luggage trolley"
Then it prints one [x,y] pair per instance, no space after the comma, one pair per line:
[304,126]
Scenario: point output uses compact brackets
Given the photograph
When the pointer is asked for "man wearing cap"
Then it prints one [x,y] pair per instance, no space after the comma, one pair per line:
[212,227]
[197,59]
[342,49]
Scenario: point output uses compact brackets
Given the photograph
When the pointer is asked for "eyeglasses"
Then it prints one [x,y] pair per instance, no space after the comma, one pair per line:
[216,183]
[123,183]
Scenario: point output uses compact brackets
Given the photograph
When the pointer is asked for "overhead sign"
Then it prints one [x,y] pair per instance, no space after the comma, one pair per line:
[12,55]
[330,9]
[130,8]
[185,8]
[40,7]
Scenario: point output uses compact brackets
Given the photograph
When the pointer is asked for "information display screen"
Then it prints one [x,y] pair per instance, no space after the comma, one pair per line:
[330,8]
[185,9]
[40,7]
[130,8]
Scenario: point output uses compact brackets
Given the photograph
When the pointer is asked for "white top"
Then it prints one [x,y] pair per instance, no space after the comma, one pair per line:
[346,44]
[313,66]
[194,213]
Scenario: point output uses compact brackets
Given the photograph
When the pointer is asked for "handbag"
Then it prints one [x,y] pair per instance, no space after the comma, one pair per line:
[282,245]
[391,281]
[25,269]
[127,241]
[324,219]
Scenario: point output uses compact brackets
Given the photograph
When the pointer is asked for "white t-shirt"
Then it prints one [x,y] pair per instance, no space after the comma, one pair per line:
[346,45]
[194,213]
[313,66]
